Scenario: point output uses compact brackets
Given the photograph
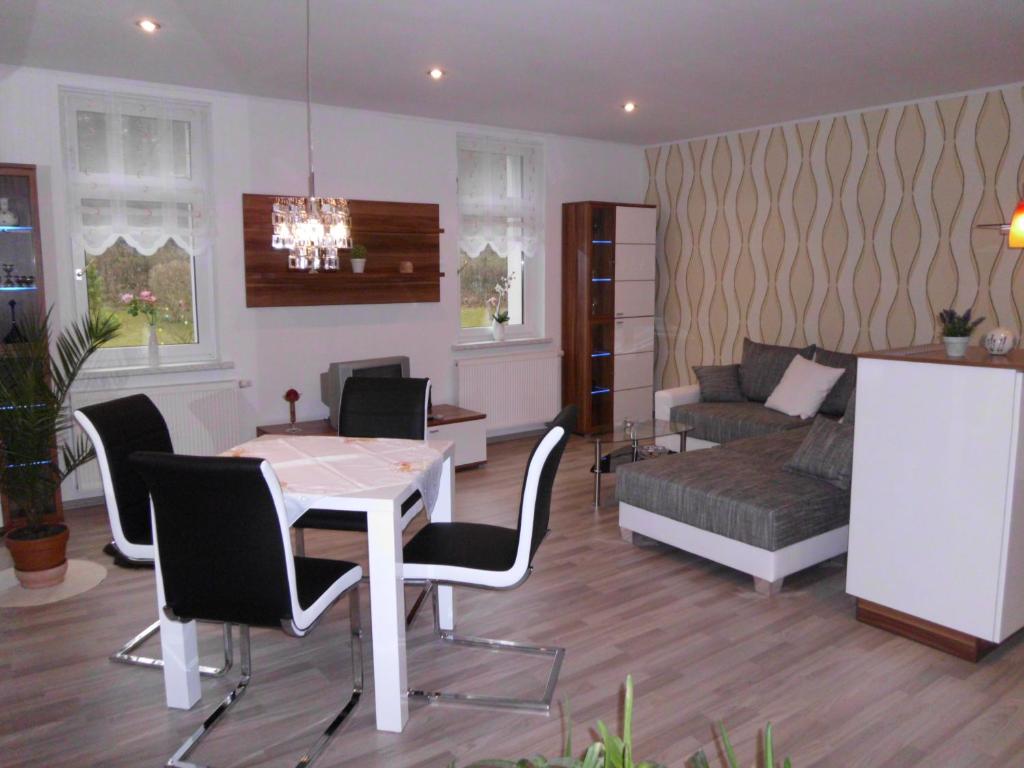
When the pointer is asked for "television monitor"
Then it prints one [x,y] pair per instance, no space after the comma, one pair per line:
[332,381]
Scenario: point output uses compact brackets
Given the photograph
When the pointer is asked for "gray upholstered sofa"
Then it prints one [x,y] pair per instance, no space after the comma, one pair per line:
[715,423]
[738,504]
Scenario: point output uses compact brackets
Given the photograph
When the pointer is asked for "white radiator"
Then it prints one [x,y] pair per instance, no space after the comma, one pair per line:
[203,420]
[517,392]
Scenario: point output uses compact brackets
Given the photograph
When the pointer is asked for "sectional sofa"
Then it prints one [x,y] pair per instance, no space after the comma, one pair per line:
[742,504]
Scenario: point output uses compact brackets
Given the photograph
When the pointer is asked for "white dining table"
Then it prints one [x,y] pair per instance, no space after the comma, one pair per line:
[372,475]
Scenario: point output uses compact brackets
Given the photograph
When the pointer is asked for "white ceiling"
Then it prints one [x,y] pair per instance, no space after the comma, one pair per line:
[694,67]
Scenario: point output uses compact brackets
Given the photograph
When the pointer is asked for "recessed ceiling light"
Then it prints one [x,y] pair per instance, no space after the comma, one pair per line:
[629,106]
[436,73]
[148,26]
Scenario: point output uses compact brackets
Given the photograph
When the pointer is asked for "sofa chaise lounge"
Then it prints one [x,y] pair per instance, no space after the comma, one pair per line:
[738,504]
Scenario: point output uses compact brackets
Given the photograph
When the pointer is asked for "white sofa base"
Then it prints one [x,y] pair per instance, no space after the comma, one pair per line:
[770,567]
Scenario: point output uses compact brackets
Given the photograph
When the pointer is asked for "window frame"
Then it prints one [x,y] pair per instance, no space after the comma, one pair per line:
[197,114]
[531,282]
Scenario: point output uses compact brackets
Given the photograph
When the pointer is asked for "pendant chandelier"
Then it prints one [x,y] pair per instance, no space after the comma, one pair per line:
[312,228]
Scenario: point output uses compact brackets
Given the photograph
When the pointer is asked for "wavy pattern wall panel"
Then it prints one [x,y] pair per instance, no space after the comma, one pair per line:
[850,231]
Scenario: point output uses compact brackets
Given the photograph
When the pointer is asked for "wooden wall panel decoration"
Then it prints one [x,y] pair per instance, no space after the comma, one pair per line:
[392,233]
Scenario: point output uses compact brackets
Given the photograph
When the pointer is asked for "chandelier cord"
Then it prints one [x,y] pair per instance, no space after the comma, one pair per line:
[309,111]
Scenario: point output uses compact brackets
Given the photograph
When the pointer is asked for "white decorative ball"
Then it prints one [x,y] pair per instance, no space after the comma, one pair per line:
[999,341]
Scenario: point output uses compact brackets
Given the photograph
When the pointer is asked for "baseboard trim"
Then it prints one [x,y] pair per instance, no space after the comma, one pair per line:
[951,641]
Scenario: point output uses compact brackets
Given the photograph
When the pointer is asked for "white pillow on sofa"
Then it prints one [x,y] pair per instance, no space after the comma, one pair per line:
[803,388]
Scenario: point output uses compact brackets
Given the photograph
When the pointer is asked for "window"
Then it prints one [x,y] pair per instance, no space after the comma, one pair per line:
[501,235]
[138,175]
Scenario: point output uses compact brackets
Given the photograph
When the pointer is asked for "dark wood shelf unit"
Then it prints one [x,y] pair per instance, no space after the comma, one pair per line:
[22,246]
[587,312]
[393,233]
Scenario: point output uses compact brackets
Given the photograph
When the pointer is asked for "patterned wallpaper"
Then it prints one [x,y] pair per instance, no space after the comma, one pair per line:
[850,231]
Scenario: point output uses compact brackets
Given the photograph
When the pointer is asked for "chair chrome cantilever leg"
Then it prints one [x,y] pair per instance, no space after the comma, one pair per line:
[178,758]
[541,705]
[357,683]
[124,654]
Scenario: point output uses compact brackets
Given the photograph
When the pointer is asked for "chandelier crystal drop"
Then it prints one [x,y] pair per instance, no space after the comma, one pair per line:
[313,229]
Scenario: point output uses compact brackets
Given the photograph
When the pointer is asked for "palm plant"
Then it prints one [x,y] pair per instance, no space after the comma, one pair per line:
[34,386]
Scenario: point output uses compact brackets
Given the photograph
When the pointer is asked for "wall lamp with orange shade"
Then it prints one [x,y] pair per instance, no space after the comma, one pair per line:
[1014,231]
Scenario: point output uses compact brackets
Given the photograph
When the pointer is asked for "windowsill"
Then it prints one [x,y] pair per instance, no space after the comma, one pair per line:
[147,370]
[467,346]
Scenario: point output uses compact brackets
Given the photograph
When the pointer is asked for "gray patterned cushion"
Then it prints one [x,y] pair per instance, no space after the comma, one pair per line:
[763,366]
[826,452]
[724,422]
[839,396]
[719,383]
[739,491]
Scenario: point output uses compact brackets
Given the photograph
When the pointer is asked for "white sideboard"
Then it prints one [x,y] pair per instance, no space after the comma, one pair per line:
[936,547]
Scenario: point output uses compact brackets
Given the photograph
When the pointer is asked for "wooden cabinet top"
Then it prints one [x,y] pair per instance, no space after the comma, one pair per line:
[936,353]
[440,414]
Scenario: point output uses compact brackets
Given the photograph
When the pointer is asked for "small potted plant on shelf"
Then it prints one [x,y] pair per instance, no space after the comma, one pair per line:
[499,316]
[358,258]
[957,330]
[34,386]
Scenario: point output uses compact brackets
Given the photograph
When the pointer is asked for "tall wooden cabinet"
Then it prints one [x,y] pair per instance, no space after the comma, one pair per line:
[21,273]
[608,312]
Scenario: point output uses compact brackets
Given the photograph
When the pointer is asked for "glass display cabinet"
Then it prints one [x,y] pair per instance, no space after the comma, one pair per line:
[20,249]
[21,273]
[608,288]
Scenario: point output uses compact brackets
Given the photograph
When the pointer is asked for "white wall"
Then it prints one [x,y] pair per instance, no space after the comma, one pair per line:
[259,146]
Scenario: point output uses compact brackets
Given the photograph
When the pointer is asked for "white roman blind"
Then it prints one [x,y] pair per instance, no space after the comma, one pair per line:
[137,171]
[499,196]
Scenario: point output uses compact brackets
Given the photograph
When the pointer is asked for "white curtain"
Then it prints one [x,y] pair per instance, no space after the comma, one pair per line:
[500,204]
[136,170]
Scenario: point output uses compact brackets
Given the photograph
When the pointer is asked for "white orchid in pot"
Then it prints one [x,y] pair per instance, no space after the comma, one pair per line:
[499,316]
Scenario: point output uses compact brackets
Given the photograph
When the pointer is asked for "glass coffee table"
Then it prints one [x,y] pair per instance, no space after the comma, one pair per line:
[632,433]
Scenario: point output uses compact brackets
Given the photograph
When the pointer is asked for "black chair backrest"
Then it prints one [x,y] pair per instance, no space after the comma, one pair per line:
[566,419]
[124,426]
[219,537]
[384,407]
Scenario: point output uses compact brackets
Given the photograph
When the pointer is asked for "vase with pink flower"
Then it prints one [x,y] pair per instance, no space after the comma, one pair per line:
[145,305]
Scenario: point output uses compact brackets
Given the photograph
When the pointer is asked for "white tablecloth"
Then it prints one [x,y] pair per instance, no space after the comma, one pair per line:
[312,468]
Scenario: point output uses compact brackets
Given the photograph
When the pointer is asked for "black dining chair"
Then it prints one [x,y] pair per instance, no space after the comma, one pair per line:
[226,556]
[493,557]
[373,407]
[118,428]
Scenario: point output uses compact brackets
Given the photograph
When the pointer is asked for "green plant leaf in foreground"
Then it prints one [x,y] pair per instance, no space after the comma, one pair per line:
[612,751]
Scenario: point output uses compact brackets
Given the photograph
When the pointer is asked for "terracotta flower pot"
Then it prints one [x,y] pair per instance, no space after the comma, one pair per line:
[39,561]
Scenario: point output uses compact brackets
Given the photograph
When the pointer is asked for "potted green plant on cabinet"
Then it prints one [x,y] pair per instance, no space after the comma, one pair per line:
[957,330]
[34,387]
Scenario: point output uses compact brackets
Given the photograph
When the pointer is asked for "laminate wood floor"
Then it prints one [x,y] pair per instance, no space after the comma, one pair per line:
[701,645]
